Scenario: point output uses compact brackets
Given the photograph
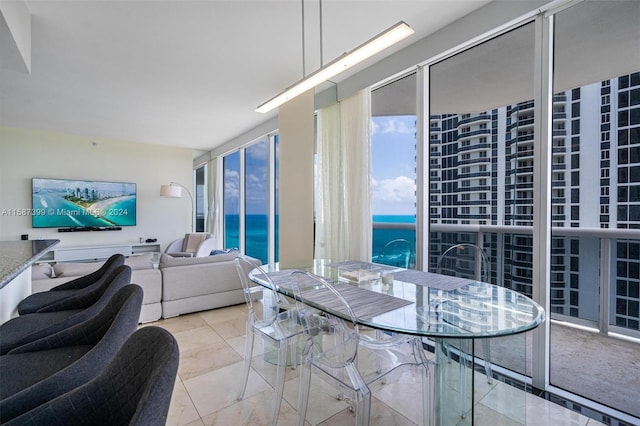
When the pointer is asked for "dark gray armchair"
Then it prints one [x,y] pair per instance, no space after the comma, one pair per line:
[134,389]
[76,294]
[40,371]
[31,327]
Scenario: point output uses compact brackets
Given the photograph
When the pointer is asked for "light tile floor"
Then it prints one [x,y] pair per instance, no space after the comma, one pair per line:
[211,347]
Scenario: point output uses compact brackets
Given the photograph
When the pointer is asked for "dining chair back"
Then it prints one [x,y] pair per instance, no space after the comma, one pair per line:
[398,252]
[274,319]
[332,347]
[467,260]
[464,260]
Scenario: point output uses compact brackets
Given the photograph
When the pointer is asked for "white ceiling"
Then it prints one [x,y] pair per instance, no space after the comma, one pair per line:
[186,73]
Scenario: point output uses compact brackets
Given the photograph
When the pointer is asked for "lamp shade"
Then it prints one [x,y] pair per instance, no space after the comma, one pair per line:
[170,191]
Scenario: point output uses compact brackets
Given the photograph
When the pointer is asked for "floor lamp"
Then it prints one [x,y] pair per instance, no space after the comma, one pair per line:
[174,190]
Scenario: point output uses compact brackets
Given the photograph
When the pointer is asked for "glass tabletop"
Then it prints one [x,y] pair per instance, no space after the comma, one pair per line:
[415,302]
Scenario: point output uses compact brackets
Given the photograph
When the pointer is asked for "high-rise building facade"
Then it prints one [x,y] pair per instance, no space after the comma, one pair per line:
[482,173]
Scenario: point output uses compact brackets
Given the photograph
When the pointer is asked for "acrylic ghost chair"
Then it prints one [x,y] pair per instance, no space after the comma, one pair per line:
[332,347]
[469,261]
[276,321]
[398,252]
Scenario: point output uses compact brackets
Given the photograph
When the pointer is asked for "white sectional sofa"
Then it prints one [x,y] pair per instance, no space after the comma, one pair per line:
[45,276]
[176,286]
[199,283]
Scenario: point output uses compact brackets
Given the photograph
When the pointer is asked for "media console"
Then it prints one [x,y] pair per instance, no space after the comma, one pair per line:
[97,252]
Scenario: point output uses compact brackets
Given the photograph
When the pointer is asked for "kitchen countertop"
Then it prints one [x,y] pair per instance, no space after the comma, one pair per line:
[17,256]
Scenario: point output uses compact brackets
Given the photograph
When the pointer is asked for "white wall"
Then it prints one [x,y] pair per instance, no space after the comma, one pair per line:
[25,154]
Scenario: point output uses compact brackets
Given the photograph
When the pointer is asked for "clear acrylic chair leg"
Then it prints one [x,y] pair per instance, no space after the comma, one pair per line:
[362,397]
[426,375]
[303,392]
[248,352]
[280,375]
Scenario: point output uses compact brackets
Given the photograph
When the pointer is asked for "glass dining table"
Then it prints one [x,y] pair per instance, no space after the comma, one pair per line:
[452,315]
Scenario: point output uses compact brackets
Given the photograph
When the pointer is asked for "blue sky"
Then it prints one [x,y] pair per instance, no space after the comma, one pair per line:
[256,186]
[393,165]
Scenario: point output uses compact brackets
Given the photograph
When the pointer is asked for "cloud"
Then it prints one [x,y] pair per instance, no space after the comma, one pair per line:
[389,125]
[258,151]
[256,186]
[231,183]
[400,189]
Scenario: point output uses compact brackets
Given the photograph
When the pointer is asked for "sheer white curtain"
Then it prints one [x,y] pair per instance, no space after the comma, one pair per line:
[215,219]
[343,210]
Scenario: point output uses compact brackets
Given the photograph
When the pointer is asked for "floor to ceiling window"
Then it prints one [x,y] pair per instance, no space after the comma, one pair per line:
[480,180]
[393,170]
[595,276]
[275,196]
[250,197]
[201,209]
[256,216]
[231,203]
[483,180]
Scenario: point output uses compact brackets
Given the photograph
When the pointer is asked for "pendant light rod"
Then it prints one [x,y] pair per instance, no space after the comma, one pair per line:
[366,50]
[321,37]
[304,67]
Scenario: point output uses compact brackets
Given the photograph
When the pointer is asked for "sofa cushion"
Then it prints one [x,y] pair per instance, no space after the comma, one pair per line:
[168,261]
[75,269]
[180,282]
[150,280]
[79,269]
[142,261]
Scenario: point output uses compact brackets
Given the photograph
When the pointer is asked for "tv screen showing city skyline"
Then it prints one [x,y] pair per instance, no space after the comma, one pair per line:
[60,203]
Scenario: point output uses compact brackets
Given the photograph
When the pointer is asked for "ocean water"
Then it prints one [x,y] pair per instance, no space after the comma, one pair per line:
[383,236]
[257,238]
[394,219]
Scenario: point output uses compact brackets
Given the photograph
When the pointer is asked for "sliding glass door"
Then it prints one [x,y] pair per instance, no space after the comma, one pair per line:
[393,170]
[481,184]
[485,170]
[595,276]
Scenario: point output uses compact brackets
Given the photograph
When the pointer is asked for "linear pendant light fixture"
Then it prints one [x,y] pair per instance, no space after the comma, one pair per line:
[375,45]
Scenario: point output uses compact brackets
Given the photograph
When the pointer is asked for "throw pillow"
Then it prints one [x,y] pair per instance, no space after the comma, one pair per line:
[223,251]
[41,271]
[192,241]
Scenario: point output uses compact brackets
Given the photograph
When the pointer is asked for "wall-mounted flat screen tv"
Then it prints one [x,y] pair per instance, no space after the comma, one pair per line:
[60,203]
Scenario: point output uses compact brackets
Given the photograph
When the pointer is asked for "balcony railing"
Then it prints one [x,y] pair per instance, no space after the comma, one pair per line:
[474,119]
[583,324]
[607,258]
